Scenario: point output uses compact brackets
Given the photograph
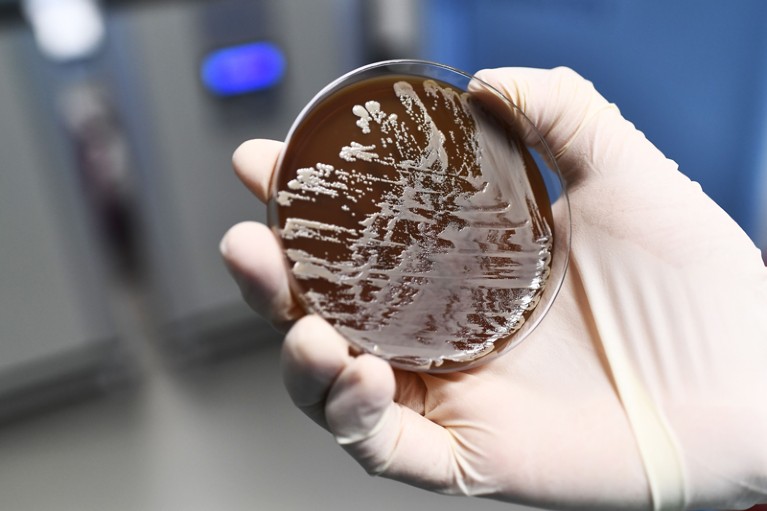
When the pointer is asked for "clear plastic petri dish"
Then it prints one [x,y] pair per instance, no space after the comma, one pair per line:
[416,220]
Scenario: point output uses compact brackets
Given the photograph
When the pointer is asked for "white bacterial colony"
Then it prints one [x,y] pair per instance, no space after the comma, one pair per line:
[450,251]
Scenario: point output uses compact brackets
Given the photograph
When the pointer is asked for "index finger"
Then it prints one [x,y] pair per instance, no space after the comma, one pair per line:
[254,162]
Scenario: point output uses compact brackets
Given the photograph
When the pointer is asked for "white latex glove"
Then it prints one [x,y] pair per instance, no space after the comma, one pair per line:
[645,387]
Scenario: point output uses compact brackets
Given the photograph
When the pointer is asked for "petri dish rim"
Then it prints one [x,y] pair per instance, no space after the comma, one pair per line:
[562,240]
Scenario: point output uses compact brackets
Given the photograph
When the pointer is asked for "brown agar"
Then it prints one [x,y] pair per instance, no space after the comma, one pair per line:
[414,220]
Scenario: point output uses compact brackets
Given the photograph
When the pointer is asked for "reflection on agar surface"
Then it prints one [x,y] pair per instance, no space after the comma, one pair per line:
[414,221]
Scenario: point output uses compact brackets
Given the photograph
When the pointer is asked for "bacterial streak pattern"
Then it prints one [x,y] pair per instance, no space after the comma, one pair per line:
[455,251]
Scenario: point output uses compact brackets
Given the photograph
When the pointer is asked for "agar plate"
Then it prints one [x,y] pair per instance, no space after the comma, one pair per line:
[415,220]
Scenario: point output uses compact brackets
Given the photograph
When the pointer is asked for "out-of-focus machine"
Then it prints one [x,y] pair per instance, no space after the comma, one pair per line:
[196,83]
[57,335]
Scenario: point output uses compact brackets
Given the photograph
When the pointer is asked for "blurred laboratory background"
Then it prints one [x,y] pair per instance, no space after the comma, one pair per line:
[132,376]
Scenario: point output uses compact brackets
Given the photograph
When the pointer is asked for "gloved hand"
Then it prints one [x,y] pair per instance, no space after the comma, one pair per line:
[645,387]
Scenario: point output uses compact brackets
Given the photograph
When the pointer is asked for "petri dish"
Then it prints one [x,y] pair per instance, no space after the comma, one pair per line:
[415,207]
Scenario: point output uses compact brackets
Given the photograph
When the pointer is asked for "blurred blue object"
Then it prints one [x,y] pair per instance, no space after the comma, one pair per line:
[243,69]
[690,74]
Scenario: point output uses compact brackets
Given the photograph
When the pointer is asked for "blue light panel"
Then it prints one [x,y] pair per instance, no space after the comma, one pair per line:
[242,69]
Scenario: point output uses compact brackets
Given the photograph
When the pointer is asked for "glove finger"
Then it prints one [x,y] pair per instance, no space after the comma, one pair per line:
[254,163]
[387,438]
[255,260]
[313,355]
[411,390]
[586,134]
